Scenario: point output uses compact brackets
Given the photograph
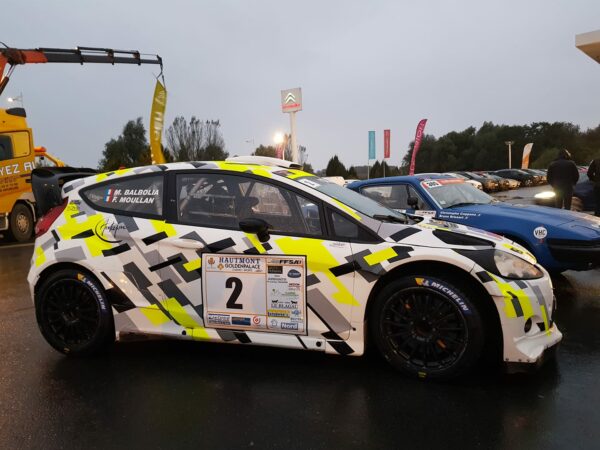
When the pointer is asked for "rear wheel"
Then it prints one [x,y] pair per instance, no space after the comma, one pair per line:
[21,223]
[427,327]
[73,313]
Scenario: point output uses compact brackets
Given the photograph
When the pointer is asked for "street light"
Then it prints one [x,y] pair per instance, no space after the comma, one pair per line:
[18,98]
[278,138]
[509,143]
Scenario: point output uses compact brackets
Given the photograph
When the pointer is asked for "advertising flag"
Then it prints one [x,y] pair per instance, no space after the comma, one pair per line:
[418,139]
[157,120]
[526,153]
[372,145]
[386,144]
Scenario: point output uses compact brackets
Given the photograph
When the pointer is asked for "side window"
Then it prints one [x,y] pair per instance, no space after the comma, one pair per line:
[21,145]
[14,145]
[141,195]
[421,205]
[6,151]
[216,200]
[395,197]
[344,228]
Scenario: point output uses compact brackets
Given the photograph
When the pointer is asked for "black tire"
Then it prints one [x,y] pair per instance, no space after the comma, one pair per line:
[405,326]
[74,314]
[21,223]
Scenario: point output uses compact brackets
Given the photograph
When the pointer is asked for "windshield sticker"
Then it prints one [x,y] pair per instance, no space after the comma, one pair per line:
[430,184]
[309,183]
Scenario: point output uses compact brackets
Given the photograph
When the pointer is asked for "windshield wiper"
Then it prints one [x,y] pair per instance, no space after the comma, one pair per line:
[464,204]
[390,218]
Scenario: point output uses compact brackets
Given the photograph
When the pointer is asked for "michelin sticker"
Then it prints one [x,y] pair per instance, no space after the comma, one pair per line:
[540,233]
[255,292]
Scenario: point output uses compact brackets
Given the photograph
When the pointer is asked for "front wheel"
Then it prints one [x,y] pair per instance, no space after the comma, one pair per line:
[427,327]
[73,313]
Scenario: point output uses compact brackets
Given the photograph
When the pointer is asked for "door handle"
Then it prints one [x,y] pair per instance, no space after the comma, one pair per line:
[187,243]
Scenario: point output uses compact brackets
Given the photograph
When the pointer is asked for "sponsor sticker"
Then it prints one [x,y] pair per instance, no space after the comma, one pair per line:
[540,233]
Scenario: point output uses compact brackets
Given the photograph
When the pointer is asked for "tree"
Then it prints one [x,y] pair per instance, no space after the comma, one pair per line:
[352,173]
[307,167]
[335,168]
[129,149]
[263,150]
[195,141]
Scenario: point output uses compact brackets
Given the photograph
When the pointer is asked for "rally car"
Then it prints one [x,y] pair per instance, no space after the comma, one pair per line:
[560,240]
[267,254]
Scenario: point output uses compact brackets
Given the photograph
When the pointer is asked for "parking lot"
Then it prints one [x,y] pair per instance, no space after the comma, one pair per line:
[167,394]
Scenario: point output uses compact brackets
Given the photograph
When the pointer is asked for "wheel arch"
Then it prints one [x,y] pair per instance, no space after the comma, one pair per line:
[466,282]
[114,296]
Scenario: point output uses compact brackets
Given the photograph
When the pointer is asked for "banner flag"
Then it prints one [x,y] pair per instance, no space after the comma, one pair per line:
[157,121]
[372,154]
[418,139]
[386,144]
[526,153]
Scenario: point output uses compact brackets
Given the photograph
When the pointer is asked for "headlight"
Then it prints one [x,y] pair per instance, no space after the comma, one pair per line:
[545,195]
[510,266]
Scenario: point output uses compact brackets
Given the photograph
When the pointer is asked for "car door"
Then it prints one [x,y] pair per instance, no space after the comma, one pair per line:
[396,196]
[224,278]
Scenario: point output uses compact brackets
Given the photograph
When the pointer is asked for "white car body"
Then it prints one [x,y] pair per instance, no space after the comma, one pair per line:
[165,277]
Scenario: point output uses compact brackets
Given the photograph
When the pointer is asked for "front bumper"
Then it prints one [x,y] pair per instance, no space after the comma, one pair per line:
[574,251]
[518,367]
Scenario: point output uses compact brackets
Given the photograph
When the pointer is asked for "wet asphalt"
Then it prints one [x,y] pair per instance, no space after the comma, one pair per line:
[172,394]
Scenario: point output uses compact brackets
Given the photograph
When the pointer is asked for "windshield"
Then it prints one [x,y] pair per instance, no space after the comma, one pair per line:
[449,195]
[350,198]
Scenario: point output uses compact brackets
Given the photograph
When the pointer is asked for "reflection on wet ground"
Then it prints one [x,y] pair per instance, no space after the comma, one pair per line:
[176,394]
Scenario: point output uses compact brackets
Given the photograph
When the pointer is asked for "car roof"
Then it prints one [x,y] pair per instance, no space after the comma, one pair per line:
[414,179]
[266,171]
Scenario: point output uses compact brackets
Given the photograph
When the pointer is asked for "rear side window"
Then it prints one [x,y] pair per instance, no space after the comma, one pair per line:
[139,195]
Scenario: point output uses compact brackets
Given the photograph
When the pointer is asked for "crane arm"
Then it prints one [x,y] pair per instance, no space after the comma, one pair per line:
[14,57]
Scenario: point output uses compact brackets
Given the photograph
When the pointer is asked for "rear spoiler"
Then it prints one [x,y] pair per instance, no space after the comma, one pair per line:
[47,184]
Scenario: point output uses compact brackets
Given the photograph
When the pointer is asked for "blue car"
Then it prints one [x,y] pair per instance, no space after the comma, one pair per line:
[560,240]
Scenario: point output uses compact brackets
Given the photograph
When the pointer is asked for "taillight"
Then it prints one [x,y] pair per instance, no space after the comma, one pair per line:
[45,222]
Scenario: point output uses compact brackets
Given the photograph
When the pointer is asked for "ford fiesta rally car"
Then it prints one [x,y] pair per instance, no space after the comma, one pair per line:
[269,255]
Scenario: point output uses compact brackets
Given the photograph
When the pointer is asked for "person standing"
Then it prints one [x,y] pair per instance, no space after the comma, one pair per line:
[562,176]
[594,175]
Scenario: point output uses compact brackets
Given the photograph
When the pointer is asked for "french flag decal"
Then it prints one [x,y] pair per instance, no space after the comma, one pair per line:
[109,195]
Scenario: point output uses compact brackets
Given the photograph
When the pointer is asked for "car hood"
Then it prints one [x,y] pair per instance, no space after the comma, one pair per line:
[432,232]
[529,213]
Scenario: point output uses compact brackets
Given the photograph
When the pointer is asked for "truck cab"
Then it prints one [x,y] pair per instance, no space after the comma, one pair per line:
[18,157]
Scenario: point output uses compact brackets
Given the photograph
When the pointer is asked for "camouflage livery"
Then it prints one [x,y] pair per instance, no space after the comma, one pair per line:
[156,286]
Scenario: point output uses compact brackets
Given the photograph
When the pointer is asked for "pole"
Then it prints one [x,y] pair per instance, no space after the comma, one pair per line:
[293,133]
[509,143]
[383,167]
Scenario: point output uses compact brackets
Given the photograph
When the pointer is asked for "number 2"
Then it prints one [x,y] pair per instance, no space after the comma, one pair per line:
[236,284]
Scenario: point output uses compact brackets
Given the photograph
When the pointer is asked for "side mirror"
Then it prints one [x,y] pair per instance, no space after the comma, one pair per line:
[413,202]
[256,226]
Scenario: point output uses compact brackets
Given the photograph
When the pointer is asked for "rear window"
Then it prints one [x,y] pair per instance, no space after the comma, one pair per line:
[139,195]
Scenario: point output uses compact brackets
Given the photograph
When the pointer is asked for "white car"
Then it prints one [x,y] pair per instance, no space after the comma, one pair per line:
[266,254]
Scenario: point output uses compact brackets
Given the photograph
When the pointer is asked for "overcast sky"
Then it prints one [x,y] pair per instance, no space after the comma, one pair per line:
[362,65]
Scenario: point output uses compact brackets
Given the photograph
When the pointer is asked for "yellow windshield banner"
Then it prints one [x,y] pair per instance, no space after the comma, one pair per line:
[157,120]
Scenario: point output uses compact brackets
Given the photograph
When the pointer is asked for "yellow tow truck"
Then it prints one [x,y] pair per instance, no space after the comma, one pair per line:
[18,156]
